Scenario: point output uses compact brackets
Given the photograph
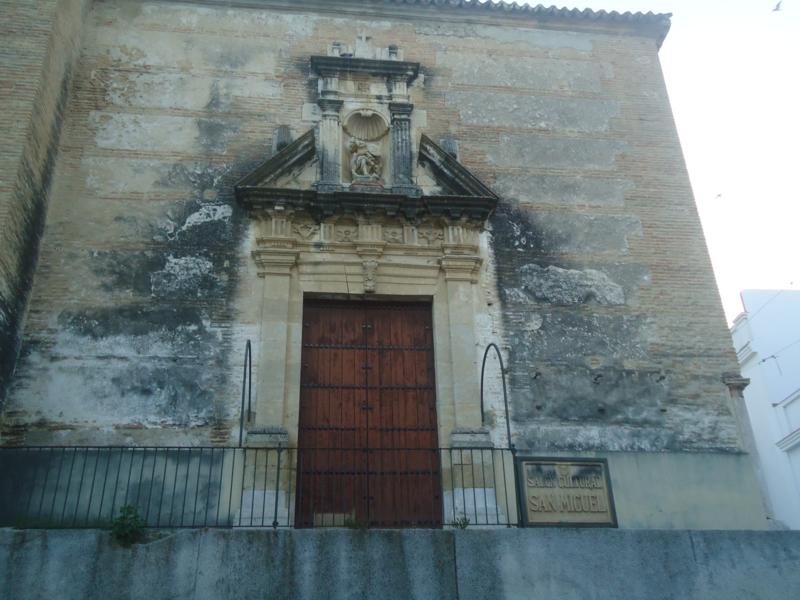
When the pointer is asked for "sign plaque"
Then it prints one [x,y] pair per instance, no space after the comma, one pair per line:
[566,492]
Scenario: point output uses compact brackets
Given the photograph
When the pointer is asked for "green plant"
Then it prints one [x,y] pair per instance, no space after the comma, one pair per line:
[128,527]
[355,523]
[460,523]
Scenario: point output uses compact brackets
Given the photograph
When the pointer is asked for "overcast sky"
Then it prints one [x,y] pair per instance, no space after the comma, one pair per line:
[732,69]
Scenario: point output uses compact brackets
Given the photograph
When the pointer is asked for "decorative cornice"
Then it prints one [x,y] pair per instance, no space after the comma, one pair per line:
[790,441]
[401,110]
[461,267]
[745,353]
[333,66]
[321,205]
[275,261]
[370,249]
[735,382]
[791,398]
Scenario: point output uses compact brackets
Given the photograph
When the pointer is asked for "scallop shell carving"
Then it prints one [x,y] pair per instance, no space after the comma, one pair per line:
[366,125]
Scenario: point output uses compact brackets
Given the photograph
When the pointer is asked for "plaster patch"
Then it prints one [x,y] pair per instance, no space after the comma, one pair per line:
[185,51]
[110,176]
[179,275]
[183,91]
[572,335]
[554,285]
[121,131]
[525,151]
[551,232]
[563,190]
[529,37]
[221,18]
[536,112]
[544,74]
[207,213]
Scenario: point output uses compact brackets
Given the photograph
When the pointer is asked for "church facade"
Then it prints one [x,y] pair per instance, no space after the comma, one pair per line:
[355,199]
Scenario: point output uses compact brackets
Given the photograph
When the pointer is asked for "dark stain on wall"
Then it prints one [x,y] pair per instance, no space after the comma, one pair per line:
[216,133]
[571,328]
[158,352]
[33,193]
[182,293]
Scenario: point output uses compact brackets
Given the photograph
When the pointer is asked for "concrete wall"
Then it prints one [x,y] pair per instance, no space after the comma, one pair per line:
[509,564]
[667,490]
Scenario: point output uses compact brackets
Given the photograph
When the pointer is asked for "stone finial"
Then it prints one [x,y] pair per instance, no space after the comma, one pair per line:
[281,137]
[450,145]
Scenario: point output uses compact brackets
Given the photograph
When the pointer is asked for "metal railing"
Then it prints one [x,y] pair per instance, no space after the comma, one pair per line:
[79,487]
[247,385]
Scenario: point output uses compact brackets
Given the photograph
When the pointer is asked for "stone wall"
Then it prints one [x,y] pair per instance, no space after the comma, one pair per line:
[597,284]
[334,564]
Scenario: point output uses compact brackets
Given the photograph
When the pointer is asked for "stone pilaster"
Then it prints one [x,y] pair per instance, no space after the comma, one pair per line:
[330,136]
[275,264]
[402,151]
[461,274]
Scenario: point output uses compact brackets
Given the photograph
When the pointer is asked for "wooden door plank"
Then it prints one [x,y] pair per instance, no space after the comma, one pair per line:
[368,438]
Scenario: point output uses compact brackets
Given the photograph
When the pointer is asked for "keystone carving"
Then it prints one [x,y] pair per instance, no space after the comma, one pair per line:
[370,267]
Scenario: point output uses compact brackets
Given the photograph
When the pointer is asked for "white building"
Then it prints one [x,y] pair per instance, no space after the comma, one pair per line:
[767,341]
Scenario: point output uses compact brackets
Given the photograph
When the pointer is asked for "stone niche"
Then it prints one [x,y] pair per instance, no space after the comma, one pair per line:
[366,149]
[364,132]
[340,211]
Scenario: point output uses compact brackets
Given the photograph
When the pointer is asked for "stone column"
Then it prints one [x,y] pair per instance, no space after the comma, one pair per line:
[330,136]
[736,385]
[402,150]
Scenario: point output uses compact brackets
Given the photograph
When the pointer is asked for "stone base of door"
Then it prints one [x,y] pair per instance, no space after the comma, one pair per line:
[471,437]
[267,437]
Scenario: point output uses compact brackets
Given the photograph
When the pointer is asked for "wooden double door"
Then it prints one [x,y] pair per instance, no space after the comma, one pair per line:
[368,452]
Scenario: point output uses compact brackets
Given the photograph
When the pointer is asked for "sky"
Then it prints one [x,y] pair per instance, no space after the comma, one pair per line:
[732,70]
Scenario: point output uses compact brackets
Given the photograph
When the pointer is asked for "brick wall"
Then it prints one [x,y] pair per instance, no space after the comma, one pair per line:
[40,42]
[598,276]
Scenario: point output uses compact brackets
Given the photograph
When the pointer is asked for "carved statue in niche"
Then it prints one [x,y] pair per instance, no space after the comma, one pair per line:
[365,161]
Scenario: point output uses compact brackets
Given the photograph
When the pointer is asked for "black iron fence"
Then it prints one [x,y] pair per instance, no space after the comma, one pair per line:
[79,487]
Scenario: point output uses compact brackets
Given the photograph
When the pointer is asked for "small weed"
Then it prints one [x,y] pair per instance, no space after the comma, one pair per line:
[460,523]
[128,527]
[355,523]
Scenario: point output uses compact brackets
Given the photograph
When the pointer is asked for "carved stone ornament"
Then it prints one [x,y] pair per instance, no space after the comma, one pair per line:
[365,161]
[366,152]
[369,266]
[430,236]
[393,235]
[366,125]
[305,230]
[346,234]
